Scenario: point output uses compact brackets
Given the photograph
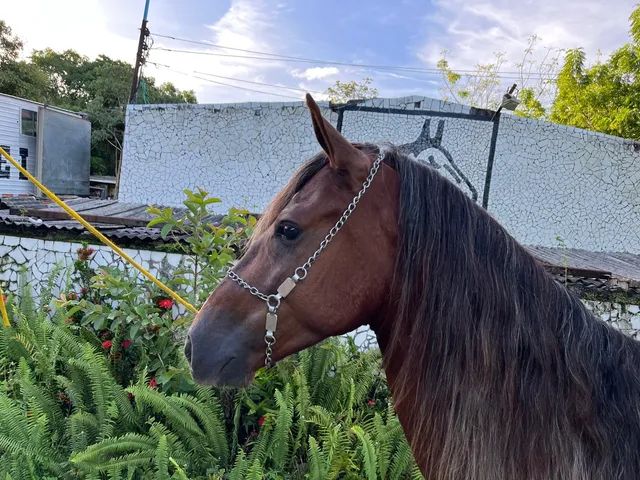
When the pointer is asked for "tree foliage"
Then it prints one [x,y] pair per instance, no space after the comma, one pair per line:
[342,92]
[17,77]
[99,87]
[483,87]
[604,97]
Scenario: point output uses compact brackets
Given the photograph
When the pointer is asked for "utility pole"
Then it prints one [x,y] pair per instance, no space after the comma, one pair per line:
[144,33]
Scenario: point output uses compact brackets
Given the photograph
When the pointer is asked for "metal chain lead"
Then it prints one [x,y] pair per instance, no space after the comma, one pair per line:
[300,273]
[270,340]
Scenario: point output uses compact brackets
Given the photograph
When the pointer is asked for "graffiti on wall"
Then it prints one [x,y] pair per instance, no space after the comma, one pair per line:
[425,147]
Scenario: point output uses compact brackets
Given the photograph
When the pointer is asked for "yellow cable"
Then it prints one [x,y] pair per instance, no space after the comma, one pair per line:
[97,234]
[3,311]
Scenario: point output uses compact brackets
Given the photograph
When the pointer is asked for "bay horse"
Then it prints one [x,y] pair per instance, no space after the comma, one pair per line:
[496,370]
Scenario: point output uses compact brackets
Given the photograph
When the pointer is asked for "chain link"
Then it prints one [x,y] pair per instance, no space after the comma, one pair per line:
[301,272]
[252,290]
[270,340]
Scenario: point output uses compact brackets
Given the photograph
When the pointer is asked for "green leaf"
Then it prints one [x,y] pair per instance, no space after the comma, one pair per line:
[166,228]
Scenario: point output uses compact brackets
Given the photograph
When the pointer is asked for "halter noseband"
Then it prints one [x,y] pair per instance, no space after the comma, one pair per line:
[300,273]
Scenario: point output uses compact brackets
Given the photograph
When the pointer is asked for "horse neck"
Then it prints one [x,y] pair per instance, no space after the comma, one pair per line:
[494,376]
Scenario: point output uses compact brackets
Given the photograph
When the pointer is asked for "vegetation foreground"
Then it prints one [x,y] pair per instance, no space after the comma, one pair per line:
[93,384]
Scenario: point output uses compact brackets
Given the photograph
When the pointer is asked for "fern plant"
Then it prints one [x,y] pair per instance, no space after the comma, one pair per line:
[64,414]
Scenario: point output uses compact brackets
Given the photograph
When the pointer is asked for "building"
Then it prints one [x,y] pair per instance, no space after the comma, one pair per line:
[550,185]
[51,143]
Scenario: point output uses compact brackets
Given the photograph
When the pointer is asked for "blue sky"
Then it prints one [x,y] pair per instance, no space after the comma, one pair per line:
[408,33]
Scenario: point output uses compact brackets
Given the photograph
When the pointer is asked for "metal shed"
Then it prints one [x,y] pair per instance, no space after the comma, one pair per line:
[51,143]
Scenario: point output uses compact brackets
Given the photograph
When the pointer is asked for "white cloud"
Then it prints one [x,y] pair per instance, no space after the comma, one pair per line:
[315,73]
[248,25]
[475,29]
[81,25]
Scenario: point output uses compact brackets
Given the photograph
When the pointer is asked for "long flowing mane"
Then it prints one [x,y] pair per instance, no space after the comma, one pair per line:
[502,372]
[497,371]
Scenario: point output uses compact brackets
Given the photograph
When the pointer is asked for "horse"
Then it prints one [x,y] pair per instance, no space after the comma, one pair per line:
[496,370]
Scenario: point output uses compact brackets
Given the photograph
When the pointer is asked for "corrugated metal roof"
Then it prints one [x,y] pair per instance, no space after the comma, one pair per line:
[119,220]
[622,265]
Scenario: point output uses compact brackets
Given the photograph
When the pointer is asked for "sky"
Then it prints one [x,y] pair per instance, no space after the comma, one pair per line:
[400,33]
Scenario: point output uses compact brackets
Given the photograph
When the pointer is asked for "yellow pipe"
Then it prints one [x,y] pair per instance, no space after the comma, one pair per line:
[97,234]
[3,311]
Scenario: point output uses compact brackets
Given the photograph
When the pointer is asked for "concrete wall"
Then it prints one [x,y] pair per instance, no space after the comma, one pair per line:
[548,181]
[36,259]
[64,152]
[553,181]
[242,153]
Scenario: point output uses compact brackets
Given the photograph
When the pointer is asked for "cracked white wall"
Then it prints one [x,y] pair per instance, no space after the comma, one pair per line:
[34,260]
[548,180]
[242,153]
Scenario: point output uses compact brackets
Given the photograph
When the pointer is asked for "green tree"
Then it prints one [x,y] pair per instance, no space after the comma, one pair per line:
[342,92]
[17,77]
[606,96]
[10,45]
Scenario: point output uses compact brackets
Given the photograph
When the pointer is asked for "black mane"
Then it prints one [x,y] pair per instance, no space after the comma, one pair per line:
[512,376]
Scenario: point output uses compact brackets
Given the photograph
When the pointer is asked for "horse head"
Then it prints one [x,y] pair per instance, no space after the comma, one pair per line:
[312,297]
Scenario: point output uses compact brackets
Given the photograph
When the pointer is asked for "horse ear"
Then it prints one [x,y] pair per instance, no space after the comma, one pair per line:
[342,154]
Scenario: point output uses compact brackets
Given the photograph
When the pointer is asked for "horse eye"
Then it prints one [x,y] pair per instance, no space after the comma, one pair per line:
[287,231]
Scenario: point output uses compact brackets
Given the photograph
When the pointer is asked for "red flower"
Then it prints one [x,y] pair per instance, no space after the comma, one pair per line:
[165,303]
[84,253]
[371,403]
[5,299]
[261,420]
[126,343]
[107,344]
[153,383]
[130,396]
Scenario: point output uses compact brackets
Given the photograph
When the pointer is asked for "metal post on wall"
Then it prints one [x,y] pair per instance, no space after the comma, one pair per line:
[144,33]
[510,103]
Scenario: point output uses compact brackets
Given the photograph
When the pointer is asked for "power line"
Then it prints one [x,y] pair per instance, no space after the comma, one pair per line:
[245,88]
[288,58]
[260,83]
[357,65]
[273,85]
[227,84]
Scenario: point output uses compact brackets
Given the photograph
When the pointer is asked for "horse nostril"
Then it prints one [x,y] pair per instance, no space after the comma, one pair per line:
[187,349]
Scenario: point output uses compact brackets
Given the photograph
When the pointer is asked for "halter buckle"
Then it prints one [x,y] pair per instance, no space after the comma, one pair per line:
[273,302]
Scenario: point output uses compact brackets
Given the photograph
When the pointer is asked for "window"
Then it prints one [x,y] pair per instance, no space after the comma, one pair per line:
[5,171]
[24,155]
[29,122]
